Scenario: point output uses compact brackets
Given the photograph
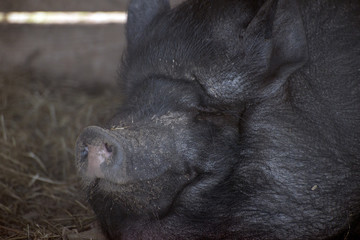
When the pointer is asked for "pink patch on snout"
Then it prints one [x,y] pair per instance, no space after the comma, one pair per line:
[96,156]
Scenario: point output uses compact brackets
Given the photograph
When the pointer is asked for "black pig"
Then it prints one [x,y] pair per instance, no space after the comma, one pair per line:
[241,121]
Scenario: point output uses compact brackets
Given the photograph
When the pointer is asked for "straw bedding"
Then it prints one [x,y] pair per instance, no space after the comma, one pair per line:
[40,194]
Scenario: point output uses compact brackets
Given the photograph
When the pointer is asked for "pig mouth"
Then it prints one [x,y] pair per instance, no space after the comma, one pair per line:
[152,197]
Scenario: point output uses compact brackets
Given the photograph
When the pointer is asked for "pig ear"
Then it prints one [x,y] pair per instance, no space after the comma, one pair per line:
[140,14]
[275,43]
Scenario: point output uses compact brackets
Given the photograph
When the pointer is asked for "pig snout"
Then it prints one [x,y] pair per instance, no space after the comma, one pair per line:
[96,151]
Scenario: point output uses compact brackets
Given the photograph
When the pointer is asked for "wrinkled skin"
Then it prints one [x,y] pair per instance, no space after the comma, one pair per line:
[241,121]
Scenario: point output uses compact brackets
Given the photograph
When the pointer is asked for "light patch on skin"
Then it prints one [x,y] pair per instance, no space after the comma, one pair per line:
[228,88]
[113,128]
[96,156]
[314,187]
[170,118]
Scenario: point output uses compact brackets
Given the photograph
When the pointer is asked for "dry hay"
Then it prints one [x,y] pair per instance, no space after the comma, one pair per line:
[40,194]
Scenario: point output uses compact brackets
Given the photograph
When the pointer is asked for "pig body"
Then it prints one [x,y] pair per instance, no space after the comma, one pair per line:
[241,121]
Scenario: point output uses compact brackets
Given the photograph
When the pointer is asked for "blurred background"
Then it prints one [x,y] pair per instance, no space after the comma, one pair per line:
[58,74]
[71,53]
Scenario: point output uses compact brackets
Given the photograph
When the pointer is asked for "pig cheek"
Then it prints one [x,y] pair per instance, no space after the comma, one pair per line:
[96,156]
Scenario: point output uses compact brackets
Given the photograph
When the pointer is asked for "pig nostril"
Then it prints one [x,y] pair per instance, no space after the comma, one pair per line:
[108,148]
[84,153]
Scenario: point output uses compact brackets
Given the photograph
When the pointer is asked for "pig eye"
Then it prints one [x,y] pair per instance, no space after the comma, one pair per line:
[218,117]
[207,110]
[205,113]
[84,153]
